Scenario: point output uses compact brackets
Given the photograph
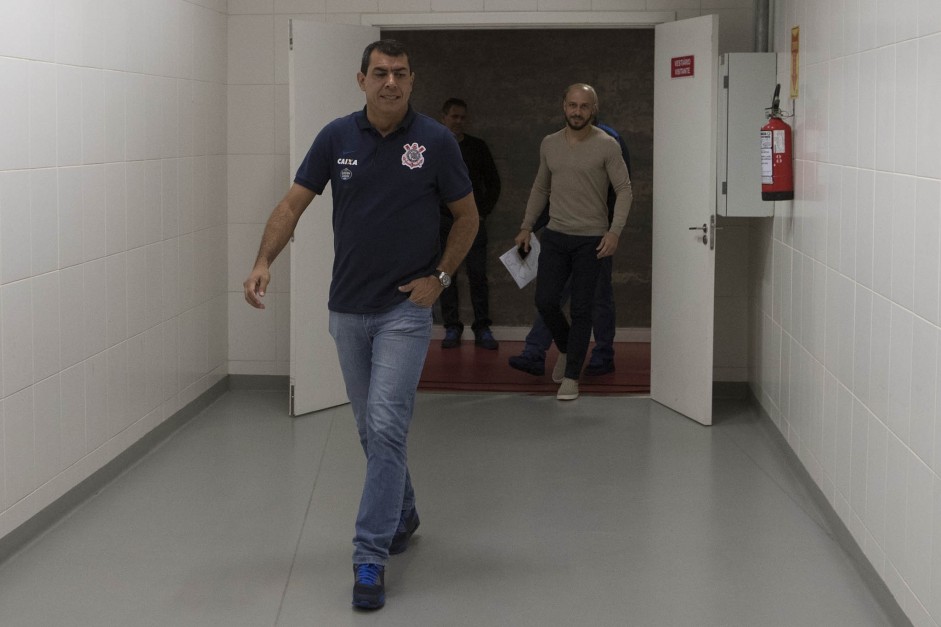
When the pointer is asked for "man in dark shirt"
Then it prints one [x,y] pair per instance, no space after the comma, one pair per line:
[486,180]
[388,168]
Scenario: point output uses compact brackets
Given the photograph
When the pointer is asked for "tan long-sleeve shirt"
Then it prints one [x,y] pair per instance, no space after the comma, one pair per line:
[574,178]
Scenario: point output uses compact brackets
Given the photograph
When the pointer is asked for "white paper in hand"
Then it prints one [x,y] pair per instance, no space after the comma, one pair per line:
[522,270]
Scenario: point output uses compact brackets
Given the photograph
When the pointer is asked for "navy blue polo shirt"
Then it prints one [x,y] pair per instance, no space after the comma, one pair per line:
[386,192]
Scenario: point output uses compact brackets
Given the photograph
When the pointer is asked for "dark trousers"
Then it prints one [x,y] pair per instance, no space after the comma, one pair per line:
[564,256]
[539,338]
[475,263]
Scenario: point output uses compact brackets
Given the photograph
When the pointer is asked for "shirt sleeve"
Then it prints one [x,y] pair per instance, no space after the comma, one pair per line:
[314,172]
[539,194]
[621,182]
[453,180]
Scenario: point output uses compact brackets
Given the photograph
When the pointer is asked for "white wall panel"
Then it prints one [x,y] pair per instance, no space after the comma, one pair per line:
[16,311]
[95,307]
[890,503]
[116,298]
[116,207]
[43,85]
[14,123]
[71,217]
[47,415]
[94,217]
[928,81]
[906,93]
[91,160]
[71,322]
[45,316]
[71,415]
[14,218]
[96,401]
[19,438]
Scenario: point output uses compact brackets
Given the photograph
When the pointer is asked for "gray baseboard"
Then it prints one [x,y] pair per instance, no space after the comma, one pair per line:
[259,382]
[49,516]
[731,389]
[875,583]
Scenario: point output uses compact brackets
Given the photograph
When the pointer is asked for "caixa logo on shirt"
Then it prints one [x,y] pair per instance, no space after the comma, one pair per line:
[413,156]
[346,174]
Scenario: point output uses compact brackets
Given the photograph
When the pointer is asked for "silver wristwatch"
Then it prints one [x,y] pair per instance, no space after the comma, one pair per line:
[444,278]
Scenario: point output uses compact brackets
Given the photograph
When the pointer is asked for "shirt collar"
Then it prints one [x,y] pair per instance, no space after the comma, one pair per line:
[363,122]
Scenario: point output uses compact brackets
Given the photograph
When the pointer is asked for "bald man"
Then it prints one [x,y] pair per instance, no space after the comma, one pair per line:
[576,166]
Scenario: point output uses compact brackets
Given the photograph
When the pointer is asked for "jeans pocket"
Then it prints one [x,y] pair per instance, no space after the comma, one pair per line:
[417,306]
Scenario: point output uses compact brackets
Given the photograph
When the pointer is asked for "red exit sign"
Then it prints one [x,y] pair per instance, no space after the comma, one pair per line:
[681,67]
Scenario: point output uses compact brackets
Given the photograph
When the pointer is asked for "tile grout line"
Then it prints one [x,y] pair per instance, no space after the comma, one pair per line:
[300,535]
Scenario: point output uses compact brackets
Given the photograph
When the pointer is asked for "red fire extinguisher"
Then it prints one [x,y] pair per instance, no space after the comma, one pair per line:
[777,171]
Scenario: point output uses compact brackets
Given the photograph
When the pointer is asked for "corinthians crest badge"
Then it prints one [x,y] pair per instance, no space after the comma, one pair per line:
[413,156]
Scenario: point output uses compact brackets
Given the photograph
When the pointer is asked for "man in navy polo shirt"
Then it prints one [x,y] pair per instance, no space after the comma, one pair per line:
[388,168]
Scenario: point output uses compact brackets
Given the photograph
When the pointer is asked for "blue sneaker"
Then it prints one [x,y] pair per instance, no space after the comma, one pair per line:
[407,526]
[452,338]
[369,587]
[597,369]
[484,339]
[529,364]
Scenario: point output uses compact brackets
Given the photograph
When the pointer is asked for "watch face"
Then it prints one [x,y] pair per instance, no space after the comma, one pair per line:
[445,279]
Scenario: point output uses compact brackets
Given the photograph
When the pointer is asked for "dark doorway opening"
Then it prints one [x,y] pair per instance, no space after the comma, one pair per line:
[512,80]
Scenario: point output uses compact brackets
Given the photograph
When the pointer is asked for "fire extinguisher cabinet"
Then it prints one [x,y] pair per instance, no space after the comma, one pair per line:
[746,82]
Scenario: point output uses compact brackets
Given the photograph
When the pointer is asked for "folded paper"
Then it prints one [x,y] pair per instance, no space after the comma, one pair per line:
[523,270]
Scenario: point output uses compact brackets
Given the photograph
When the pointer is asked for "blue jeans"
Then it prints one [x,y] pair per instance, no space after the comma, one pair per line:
[539,338]
[564,258]
[381,356]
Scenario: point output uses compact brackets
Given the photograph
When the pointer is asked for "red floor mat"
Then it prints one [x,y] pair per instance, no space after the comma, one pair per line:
[468,368]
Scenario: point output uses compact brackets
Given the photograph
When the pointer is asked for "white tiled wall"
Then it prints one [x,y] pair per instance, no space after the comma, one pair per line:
[113,305]
[845,296]
[259,143]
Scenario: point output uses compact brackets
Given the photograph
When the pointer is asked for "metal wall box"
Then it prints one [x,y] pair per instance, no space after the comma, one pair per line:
[746,85]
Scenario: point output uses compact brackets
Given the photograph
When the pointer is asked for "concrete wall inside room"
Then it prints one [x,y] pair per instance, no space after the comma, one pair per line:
[513,82]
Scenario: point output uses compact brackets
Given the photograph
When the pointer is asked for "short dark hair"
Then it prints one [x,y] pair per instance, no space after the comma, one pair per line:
[388,47]
[452,102]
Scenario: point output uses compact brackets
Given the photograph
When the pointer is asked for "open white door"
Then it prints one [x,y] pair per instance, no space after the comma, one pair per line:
[324,60]
[684,175]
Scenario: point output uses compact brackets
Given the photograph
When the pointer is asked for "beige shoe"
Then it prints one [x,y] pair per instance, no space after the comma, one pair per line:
[568,391]
[558,373]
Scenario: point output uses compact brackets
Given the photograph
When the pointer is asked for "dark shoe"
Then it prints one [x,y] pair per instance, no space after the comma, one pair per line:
[484,339]
[596,370]
[529,364]
[452,338]
[403,534]
[369,587]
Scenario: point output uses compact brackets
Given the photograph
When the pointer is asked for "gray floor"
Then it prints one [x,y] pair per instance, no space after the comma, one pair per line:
[604,511]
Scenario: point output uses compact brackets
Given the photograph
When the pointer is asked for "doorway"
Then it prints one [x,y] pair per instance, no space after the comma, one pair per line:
[512,81]
[700,33]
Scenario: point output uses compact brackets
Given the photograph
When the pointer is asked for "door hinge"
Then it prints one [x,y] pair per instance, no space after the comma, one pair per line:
[725,188]
[725,81]
[291,402]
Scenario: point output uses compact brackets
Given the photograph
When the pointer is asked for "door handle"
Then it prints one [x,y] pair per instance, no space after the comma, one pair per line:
[705,233]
